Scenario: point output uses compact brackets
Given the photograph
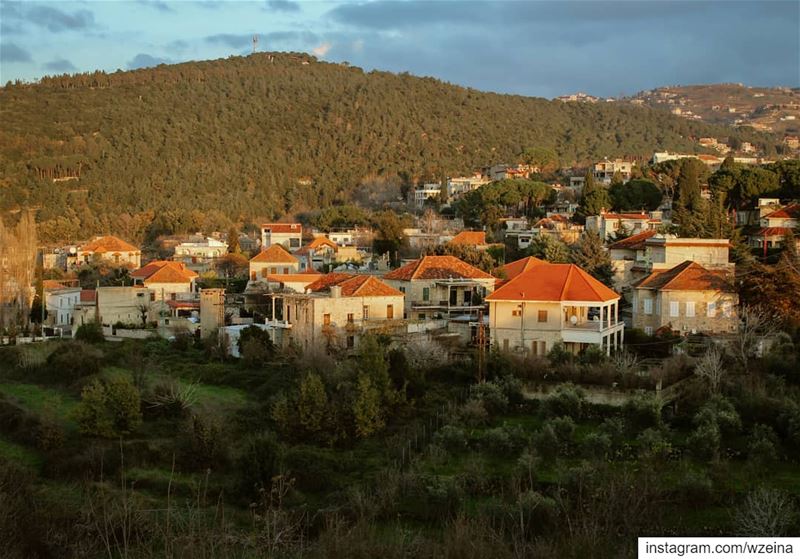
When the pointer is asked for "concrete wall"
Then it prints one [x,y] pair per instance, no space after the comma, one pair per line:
[261,269]
[121,304]
[165,291]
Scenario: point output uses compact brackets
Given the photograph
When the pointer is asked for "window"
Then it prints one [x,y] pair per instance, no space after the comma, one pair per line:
[426,293]
[294,243]
[542,348]
[689,309]
[421,316]
[542,316]
[727,309]
[253,276]
[273,270]
[516,312]
[350,317]
[263,272]
[365,310]
[286,270]
[648,306]
[326,319]
[648,330]
[711,310]
[402,290]
[390,311]
[351,342]
[535,347]
[674,308]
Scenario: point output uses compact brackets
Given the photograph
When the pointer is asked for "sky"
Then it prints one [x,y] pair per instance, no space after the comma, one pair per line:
[538,48]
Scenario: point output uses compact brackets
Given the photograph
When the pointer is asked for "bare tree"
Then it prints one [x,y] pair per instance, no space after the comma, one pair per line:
[710,367]
[765,513]
[625,362]
[755,325]
[17,270]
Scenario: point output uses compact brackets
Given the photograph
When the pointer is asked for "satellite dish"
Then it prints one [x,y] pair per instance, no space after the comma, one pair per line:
[573,319]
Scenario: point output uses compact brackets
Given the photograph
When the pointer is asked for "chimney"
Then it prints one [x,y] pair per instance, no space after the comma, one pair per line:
[336,291]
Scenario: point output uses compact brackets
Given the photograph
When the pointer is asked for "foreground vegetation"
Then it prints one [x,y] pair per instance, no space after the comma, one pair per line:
[153,449]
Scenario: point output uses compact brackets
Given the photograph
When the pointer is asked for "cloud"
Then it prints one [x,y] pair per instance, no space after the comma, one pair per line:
[9,52]
[283,5]
[322,49]
[230,39]
[143,60]
[60,65]
[56,20]
[157,5]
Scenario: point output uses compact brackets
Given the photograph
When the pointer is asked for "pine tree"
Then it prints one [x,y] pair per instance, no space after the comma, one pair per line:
[312,404]
[689,209]
[233,241]
[590,254]
[594,199]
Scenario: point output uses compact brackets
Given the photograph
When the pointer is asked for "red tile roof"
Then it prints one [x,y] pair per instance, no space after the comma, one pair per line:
[283,227]
[774,232]
[625,216]
[513,269]
[469,238]
[275,253]
[49,285]
[291,278]
[108,244]
[183,304]
[88,295]
[554,282]
[437,267]
[789,212]
[687,276]
[163,271]
[634,242]
[354,286]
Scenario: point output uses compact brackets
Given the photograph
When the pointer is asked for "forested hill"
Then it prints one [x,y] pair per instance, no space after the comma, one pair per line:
[194,145]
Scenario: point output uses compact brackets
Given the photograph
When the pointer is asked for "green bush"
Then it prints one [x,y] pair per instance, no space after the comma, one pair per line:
[203,442]
[567,400]
[451,438]
[257,462]
[643,411]
[705,442]
[492,395]
[71,361]
[312,468]
[654,444]
[109,409]
[91,332]
[762,445]
[597,445]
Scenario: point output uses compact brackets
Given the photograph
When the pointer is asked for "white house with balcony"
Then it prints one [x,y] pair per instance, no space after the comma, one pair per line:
[554,303]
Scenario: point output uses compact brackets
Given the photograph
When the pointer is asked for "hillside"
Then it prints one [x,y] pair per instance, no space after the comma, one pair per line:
[770,109]
[194,145]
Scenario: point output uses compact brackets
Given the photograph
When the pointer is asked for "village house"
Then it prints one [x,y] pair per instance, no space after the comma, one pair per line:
[474,239]
[292,282]
[317,254]
[459,186]
[166,280]
[605,170]
[199,254]
[110,249]
[545,304]
[290,235]
[775,226]
[763,207]
[338,309]
[61,298]
[425,193]
[687,298]
[273,260]
[635,257]
[441,286]
[608,224]
[126,305]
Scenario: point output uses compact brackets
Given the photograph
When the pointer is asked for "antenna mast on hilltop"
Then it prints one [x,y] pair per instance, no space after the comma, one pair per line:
[255,43]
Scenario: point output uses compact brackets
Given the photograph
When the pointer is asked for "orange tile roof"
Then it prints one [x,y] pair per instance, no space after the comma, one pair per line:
[554,282]
[108,244]
[437,267]
[275,253]
[283,227]
[789,212]
[687,276]
[354,286]
[513,269]
[634,242]
[469,238]
[49,285]
[322,241]
[163,271]
[88,295]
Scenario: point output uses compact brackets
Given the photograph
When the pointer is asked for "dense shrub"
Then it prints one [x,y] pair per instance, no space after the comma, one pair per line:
[492,396]
[313,469]
[597,445]
[90,332]
[762,445]
[643,411]
[451,438]
[256,462]
[203,442]
[110,408]
[567,400]
[73,360]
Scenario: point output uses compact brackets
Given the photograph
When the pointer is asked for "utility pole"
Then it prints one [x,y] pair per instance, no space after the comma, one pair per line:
[255,43]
